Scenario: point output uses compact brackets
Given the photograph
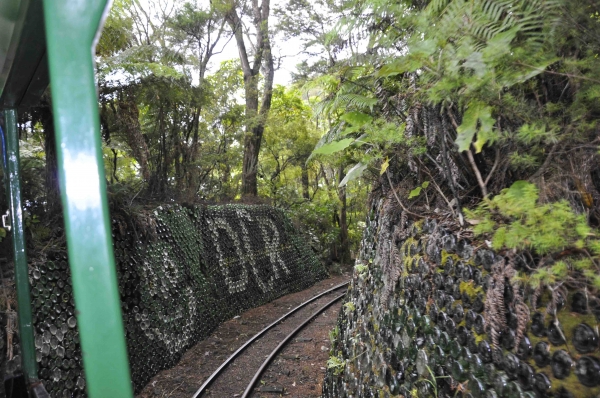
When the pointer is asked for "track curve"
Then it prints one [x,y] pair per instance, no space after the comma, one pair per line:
[284,342]
[263,332]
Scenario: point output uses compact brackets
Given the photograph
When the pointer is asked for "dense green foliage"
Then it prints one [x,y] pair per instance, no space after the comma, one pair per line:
[446,101]
[508,83]
[568,249]
[474,97]
[542,227]
[175,125]
[471,96]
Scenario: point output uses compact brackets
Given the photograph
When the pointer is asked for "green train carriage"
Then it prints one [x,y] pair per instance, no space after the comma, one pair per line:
[52,42]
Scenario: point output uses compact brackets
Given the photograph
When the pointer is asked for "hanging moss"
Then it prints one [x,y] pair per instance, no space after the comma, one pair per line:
[470,289]
[448,256]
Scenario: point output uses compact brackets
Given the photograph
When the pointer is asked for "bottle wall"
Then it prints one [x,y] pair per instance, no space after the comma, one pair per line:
[181,272]
[430,313]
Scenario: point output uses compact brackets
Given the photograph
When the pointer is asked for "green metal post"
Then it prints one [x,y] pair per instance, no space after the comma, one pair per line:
[18,241]
[71,29]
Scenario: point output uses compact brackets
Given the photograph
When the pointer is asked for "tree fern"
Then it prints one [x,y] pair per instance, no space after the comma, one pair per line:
[355,101]
[483,19]
[485,68]
[331,135]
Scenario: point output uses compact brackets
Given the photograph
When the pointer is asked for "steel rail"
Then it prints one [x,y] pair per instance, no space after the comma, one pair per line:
[233,356]
[283,344]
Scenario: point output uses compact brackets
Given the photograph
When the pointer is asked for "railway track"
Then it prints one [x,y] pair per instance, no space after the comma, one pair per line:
[291,323]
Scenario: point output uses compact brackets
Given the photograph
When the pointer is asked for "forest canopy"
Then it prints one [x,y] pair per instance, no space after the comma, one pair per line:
[447,102]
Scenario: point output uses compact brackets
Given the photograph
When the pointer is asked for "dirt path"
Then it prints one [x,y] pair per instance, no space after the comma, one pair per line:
[299,370]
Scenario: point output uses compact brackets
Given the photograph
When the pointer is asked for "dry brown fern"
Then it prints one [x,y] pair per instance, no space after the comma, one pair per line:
[495,308]
[523,314]
[503,272]
[11,329]
[494,314]
[535,296]
[521,308]
[389,254]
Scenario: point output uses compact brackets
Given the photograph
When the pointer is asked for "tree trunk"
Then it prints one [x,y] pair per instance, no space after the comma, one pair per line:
[128,117]
[51,168]
[305,181]
[252,139]
[344,253]
[255,117]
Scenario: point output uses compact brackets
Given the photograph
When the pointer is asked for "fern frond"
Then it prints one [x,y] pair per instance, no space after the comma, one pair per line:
[483,19]
[356,101]
[322,107]
[437,6]
[334,134]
